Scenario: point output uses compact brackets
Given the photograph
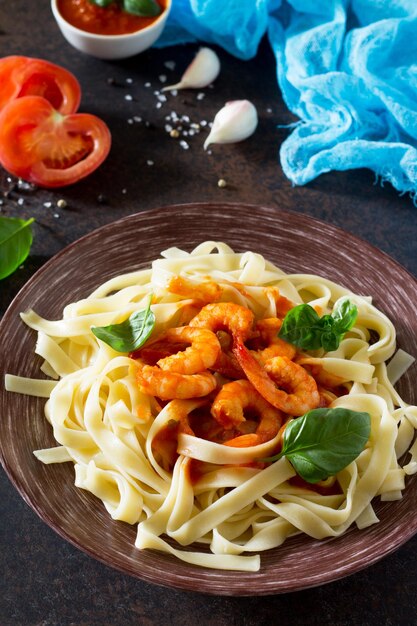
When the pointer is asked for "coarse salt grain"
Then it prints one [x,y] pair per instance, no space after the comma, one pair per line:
[170,65]
[184,145]
[128,97]
[201,96]
[24,186]
[163,78]
[149,162]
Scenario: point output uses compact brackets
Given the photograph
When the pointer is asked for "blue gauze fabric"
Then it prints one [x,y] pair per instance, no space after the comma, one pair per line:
[346,68]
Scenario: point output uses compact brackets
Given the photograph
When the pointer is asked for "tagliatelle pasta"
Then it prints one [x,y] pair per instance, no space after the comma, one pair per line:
[205,491]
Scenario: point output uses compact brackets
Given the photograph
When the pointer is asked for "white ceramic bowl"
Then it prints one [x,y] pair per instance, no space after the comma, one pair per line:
[111,46]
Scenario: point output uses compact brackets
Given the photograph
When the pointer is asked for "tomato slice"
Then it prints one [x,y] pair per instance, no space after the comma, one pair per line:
[24,76]
[42,146]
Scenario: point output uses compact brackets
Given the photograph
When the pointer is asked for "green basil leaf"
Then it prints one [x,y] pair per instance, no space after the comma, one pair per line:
[303,327]
[130,334]
[324,441]
[15,242]
[330,341]
[142,8]
[344,315]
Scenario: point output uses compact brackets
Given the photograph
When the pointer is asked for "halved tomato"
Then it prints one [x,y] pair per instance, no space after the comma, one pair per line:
[40,145]
[25,76]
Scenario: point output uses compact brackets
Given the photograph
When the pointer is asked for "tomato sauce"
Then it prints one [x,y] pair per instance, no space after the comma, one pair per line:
[165,444]
[194,469]
[111,20]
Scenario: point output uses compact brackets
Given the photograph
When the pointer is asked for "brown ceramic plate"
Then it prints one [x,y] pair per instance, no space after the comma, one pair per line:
[294,242]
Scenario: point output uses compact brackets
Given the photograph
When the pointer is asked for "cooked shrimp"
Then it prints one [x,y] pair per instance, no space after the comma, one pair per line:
[266,430]
[288,375]
[284,373]
[206,291]
[268,328]
[227,365]
[222,318]
[199,356]
[277,347]
[170,385]
[273,345]
[170,350]
[153,351]
[234,398]
[227,316]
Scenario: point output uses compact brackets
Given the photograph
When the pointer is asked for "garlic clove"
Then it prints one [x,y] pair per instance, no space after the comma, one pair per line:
[203,70]
[236,121]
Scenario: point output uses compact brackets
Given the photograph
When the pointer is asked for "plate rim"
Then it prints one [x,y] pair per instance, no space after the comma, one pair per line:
[187,205]
[170,209]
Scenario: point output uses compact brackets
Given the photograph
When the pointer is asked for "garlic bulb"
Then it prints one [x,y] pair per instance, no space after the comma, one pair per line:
[236,121]
[201,72]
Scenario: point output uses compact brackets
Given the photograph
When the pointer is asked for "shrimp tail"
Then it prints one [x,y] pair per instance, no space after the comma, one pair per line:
[255,373]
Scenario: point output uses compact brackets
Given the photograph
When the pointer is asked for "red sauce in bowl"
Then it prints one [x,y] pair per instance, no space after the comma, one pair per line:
[111,20]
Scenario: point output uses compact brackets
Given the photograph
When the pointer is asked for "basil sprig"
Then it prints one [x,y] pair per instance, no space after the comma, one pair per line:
[303,327]
[15,242]
[141,8]
[324,441]
[130,334]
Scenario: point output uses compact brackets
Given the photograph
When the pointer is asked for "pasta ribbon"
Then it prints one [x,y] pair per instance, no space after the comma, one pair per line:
[207,498]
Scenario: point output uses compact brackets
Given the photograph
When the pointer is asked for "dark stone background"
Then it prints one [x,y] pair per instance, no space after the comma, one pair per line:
[45,581]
